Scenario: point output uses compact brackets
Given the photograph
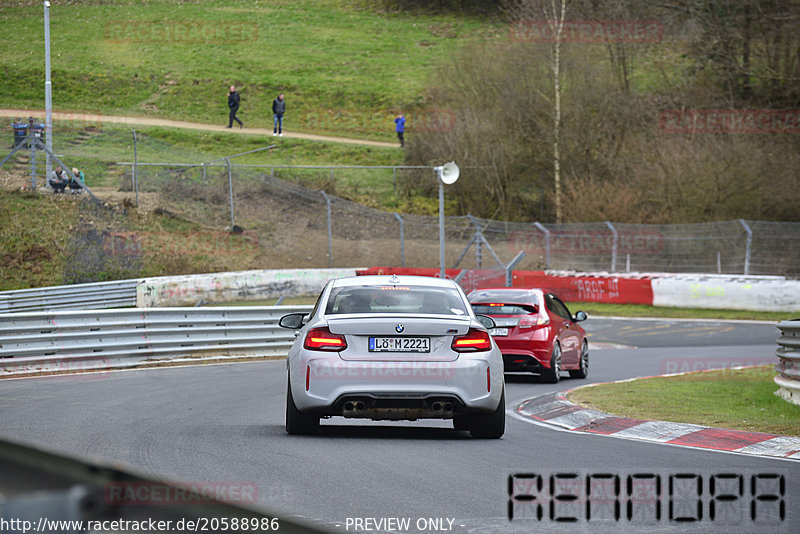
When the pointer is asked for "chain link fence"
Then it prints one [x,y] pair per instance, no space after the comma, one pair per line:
[313,228]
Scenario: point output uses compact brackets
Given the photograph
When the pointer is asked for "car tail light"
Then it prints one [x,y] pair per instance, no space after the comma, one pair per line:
[533,320]
[473,341]
[323,339]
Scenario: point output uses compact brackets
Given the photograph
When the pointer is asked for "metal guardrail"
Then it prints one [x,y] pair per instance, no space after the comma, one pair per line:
[92,296]
[788,378]
[72,341]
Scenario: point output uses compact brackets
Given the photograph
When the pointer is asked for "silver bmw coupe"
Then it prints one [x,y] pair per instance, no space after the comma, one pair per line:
[394,348]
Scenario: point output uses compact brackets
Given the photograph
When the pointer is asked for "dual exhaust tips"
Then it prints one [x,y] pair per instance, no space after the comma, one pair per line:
[357,406]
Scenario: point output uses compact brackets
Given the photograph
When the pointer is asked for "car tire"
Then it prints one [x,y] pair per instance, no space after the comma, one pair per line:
[297,422]
[461,422]
[583,370]
[553,375]
[489,425]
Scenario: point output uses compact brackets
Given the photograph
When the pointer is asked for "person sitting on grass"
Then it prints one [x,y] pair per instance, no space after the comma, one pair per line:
[58,180]
[76,185]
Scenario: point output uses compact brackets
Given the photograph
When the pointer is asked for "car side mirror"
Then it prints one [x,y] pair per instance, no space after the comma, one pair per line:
[293,320]
[486,321]
[581,316]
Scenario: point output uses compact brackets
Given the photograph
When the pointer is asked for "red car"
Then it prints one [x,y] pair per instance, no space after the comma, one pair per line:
[535,331]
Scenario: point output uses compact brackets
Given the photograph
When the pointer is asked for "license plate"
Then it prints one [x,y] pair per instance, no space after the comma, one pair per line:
[498,332]
[399,344]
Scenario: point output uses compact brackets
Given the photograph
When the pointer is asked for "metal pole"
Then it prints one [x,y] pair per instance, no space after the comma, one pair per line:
[230,190]
[546,244]
[478,240]
[33,160]
[510,268]
[402,239]
[614,245]
[719,262]
[204,173]
[748,245]
[330,230]
[133,176]
[48,90]
[441,222]
[394,180]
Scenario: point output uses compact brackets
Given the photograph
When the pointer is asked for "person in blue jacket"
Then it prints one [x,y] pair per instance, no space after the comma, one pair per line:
[400,126]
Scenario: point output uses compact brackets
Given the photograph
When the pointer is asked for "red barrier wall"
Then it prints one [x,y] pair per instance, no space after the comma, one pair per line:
[609,289]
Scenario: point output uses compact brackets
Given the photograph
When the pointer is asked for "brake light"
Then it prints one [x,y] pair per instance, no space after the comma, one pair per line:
[533,320]
[323,339]
[473,341]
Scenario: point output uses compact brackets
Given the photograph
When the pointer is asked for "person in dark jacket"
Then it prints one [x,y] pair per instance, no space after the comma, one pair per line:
[278,108]
[233,106]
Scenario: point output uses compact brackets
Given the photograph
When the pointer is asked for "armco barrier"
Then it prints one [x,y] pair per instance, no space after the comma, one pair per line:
[727,293]
[190,290]
[105,339]
[99,295]
[788,378]
[758,293]
[569,286]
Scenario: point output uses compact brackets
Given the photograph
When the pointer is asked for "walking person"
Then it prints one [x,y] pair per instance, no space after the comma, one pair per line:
[400,126]
[278,109]
[233,106]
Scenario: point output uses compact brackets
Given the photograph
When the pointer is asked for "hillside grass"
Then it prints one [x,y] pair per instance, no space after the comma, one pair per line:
[742,399]
[344,66]
[48,240]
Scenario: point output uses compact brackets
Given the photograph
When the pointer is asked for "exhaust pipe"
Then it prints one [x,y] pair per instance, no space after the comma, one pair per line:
[348,406]
[437,406]
[360,406]
[448,406]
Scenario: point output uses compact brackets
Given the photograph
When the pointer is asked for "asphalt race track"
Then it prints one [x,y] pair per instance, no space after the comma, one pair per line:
[224,423]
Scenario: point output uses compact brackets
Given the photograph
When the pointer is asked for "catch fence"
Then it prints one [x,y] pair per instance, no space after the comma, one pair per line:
[312,228]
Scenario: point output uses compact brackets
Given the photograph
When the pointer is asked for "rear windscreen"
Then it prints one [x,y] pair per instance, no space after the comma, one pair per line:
[504,309]
[395,299]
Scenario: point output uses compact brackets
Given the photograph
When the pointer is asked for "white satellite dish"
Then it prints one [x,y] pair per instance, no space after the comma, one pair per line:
[449,173]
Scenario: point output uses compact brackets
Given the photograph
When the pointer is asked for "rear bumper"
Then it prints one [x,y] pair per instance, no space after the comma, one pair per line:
[534,359]
[410,388]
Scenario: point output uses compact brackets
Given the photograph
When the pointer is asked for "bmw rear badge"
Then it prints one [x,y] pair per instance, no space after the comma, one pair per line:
[399,329]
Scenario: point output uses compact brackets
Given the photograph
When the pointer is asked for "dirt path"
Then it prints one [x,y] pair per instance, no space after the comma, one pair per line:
[168,123]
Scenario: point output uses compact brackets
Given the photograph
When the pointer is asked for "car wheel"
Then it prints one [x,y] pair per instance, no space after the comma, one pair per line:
[553,375]
[489,425]
[461,422]
[297,422]
[583,370]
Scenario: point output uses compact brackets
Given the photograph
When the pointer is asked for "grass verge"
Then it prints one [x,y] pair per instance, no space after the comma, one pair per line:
[641,310]
[741,399]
